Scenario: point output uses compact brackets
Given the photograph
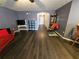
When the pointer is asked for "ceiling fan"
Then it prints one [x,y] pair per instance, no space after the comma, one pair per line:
[32,1]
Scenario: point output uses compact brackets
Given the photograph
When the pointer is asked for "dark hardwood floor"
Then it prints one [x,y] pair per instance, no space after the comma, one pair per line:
[38,45]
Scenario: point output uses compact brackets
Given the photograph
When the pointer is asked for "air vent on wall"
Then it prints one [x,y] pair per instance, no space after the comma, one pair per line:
[31,1]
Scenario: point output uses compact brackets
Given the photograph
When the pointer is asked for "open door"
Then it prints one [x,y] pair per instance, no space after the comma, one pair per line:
[41,19]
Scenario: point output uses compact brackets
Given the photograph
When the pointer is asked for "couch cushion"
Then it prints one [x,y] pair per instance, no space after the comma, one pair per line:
[3,32]
[5,40]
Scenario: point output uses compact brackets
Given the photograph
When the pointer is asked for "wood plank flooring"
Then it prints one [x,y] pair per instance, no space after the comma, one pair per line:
[38,45]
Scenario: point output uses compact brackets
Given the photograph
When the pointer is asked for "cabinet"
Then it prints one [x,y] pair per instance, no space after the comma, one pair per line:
[22,27]
[31,24]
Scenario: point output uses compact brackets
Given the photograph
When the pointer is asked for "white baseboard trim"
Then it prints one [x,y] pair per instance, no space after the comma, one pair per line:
[66,38]
[63,37]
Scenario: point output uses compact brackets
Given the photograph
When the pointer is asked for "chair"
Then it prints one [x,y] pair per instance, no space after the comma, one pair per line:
[76,35]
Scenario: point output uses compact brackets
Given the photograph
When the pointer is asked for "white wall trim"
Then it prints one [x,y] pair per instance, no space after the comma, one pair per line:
[63,37]
[66,38]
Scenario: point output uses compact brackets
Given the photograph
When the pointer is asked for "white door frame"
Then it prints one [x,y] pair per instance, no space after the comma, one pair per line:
[41,19]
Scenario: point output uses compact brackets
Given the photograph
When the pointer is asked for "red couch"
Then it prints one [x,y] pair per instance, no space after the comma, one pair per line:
[5,38]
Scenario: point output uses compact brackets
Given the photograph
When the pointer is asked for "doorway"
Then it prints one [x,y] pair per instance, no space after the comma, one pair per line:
[41,19]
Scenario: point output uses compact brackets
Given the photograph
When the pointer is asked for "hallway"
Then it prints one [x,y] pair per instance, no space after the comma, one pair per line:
[38,45]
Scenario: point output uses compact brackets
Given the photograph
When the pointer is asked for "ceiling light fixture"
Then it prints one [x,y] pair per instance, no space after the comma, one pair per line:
[27,13]
[15,0]
[32,1]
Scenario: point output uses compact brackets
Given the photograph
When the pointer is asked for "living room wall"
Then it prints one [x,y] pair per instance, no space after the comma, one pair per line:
[73,18]
[32,15]
[62,17]
[7,18]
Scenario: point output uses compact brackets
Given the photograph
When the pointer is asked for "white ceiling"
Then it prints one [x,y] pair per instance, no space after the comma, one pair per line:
[26,5]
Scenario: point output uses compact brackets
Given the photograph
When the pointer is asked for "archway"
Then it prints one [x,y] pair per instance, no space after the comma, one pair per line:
[43,18]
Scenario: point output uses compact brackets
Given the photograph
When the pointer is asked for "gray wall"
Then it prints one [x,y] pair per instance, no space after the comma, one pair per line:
[62,17]
[73,19]
[32,15]
[7,18]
